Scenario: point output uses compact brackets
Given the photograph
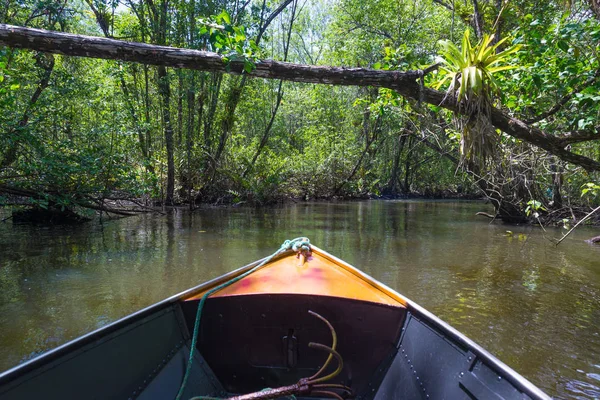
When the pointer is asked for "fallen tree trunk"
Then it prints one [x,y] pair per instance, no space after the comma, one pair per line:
[404,83]
[112,49]
[78,201]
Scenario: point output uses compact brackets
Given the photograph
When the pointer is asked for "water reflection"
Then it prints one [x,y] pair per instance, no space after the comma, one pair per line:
[534,305]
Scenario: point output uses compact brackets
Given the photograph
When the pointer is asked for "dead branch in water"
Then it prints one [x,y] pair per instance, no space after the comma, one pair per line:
[577,224]
[486,215]
[78,200]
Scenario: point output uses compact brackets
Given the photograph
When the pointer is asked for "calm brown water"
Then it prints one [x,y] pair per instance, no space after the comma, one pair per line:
[532,304]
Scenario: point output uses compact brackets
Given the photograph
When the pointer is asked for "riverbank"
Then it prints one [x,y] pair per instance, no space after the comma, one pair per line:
[22,212]
[26,209]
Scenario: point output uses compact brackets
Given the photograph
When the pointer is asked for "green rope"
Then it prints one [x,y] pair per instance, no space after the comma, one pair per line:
[298,244]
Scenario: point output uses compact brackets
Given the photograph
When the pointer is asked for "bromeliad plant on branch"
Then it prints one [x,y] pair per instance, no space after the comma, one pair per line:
[470,73]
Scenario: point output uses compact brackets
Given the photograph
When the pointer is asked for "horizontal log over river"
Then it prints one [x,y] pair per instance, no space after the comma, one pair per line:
[111,49]
[406,83]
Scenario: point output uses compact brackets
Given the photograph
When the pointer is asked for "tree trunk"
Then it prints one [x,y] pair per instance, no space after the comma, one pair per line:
[134,117]
[227,123]
[556,185]
[392,185]
[179,107]
[499,22]
[111,49]
[477,20]
[164,87]
[370,135]
[147,115]
[265,136]
[228,120]
[201,99]
[165,93]
[595,7]
[46,61]
[142,136]
[214,91]
[191,99]
[406,182]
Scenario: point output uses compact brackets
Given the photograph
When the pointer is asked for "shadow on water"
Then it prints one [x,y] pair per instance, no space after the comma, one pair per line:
[534,305]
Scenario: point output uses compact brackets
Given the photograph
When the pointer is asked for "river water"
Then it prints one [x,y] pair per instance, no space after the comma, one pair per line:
[532,304]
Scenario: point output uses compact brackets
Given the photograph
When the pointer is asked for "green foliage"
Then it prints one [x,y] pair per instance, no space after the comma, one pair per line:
[534,207]
[590,189]
[230,40]
[399,58]
[562,55]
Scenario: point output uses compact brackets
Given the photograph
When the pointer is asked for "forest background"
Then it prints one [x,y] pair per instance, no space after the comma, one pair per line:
[518,121]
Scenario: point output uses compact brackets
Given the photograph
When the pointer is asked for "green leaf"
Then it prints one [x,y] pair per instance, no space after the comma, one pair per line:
[249,66]
[225,17]
[502,68]
[564,46]
[591,188]
[240,37]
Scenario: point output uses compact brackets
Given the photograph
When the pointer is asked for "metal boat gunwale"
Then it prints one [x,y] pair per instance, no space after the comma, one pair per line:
[96,334]
[415,309]
[517,379]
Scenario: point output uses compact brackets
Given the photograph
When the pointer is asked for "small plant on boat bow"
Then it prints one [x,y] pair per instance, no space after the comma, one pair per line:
[470,72]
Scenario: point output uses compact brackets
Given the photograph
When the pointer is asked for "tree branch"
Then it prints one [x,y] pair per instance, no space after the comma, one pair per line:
[577,224]
[477,20]
[564,100]
[515,128]
[100,18]
[270,19]
[444,4]
[579,136]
